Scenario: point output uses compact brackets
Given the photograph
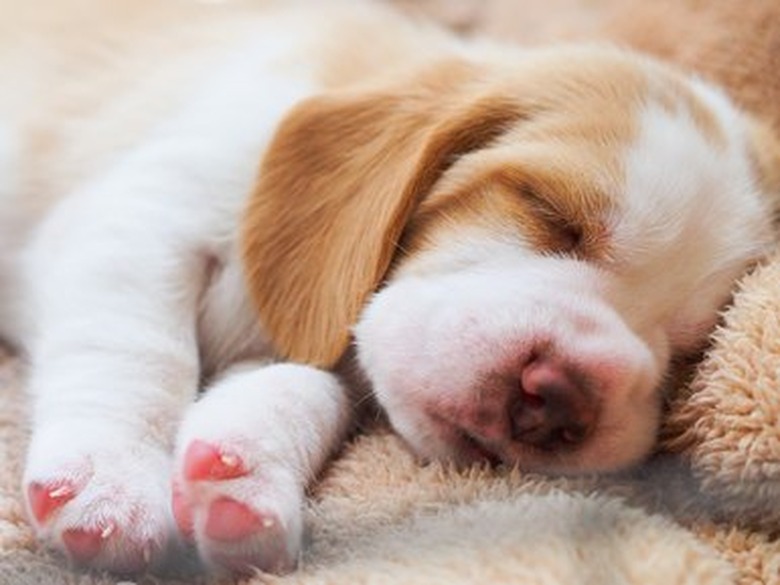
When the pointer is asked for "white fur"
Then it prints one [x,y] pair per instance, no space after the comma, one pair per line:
[427,357]
[479,303]
[132,301]
[679,185]
[126,268]
[285,420]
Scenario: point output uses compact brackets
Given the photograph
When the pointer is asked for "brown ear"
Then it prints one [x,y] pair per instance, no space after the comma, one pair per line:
[336,188]
[766,149]
[766,158]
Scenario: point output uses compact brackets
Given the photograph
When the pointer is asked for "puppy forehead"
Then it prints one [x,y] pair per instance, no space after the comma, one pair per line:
[571,149]
[603,87]
[596,105]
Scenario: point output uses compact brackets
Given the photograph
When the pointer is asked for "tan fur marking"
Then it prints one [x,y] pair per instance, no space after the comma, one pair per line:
[554,209]
[554,178]
[674,94]
[357,174]
[765,153]
[335,191]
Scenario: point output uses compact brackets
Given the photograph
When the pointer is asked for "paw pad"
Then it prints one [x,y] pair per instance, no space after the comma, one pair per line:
[104,504]
[84,544]
[46,499]
[229,520]
[203,461]
[236,515]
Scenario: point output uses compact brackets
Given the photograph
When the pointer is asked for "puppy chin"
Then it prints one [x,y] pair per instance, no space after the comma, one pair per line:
[463,362]
[430,440]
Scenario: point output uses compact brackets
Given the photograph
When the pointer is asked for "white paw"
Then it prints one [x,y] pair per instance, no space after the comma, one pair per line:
[102,499]
[242,510]
[244,454]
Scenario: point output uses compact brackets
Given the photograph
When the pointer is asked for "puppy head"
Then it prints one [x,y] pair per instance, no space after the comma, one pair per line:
[519,244]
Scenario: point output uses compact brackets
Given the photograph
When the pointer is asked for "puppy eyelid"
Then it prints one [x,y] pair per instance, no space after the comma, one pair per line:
[565,234]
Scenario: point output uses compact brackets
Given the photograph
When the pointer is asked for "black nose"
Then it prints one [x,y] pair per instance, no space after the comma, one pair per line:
[554,408]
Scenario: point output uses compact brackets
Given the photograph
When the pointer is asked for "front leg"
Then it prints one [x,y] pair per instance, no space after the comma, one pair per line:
[114,286]
[244,456]
[116,279]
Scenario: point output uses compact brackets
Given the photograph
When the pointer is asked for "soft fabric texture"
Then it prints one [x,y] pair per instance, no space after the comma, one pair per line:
[705,511]
[377,516]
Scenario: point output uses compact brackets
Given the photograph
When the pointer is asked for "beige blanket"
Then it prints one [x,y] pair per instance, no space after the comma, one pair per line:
[379,517]
[705,511]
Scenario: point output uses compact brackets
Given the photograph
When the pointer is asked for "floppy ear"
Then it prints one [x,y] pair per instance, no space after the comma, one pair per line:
[337,185]
[766,158]
[766,148]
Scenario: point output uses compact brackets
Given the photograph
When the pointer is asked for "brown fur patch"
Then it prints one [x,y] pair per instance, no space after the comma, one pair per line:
[336,188]
[765,151]
[555,177]
[555,209]
[355,175]
[676,97]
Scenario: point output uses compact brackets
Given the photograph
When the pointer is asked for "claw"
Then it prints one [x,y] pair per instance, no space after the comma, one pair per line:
[46,499]
[107,531]
[204,461]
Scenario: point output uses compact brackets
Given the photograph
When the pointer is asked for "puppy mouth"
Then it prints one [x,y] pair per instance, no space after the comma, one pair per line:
[472,449]
[463,446]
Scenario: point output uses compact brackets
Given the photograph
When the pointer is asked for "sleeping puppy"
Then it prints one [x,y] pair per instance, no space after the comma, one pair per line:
[511,245]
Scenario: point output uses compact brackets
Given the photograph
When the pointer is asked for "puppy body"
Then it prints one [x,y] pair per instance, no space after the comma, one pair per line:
[545,230]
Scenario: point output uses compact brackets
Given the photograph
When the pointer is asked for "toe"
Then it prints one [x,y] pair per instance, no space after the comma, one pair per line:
[84,544]
[204,461]
[45,499]
[229,521]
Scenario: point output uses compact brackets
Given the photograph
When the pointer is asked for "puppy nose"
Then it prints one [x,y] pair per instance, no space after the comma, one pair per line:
[554,409]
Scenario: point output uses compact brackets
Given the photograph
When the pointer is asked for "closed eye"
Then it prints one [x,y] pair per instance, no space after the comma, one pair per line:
[552,231]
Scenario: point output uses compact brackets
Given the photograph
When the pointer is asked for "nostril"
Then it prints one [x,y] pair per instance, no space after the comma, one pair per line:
[574,434]
[530,400]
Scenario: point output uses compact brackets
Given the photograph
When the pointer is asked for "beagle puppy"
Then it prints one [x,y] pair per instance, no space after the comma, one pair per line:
[208,209]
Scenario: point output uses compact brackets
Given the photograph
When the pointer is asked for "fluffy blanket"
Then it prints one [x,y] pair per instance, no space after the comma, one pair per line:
[705,510]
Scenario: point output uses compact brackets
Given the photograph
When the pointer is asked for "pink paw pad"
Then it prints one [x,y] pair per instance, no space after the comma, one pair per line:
[84,544]
[45,499]
[204,461]
[229,520]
